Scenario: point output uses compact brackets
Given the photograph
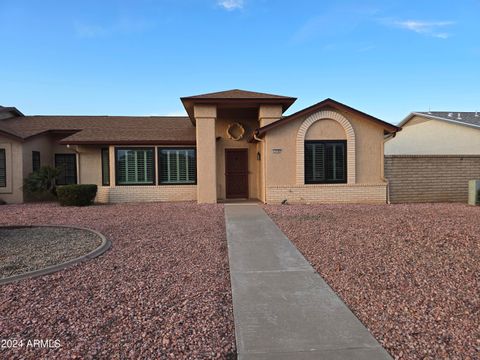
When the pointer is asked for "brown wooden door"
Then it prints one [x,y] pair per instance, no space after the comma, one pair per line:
[236,173]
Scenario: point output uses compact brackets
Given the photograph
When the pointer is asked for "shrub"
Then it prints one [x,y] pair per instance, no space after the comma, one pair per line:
[76,195]
[40,185]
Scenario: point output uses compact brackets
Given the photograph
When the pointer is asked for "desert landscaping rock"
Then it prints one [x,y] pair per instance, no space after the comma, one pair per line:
[409,272]
[33,248]
[162,291]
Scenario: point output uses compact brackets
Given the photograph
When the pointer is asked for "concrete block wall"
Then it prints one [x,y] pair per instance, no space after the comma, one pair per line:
[430,178]
[328,193]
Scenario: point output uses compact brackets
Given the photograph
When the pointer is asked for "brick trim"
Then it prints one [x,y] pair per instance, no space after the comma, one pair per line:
[302,131]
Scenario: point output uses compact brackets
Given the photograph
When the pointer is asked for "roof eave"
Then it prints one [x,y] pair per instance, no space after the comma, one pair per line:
[433,117]
[260,132]
[127,142]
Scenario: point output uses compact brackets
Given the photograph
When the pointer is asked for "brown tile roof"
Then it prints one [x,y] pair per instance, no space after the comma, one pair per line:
[237,94]
[105,129]
[237,97]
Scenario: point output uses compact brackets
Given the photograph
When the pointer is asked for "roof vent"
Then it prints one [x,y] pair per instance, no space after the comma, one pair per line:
[429,111]
[450,114]
[476,113]
[459,117]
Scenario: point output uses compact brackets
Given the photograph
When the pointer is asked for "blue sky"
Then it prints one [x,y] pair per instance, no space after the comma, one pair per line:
[386,58]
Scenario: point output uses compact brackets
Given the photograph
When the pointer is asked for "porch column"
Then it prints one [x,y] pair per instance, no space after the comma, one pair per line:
[205,116]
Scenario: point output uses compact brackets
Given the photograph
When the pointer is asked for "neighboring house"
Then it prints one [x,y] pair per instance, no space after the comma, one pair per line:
[233,145]
[434,157]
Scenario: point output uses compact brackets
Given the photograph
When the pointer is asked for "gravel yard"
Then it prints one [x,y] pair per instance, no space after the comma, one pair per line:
[411,273]
[162,290]
[27,249]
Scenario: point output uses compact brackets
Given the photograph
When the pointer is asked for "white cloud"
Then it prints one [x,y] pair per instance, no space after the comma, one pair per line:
[430,28]
[231,4]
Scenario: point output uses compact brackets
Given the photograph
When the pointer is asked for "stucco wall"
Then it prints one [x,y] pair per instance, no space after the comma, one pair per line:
[13,192]
[369,152]
[281,172]
[90,165]
[224,142]
[43,144]
[421,136]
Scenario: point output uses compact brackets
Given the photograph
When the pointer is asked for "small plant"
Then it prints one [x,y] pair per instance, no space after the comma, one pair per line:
[40,185]
[76,195]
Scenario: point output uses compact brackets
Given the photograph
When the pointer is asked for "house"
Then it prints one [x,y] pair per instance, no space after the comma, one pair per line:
[232,145]
[434,157]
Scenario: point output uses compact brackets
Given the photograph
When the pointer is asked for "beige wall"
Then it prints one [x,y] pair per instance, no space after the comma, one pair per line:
[224,142]
[281,167]
[421,136]
[43,144]
[121,194]
[13,192]
[206,153]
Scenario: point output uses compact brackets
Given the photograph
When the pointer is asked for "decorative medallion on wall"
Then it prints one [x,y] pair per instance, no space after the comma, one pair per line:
[235,131]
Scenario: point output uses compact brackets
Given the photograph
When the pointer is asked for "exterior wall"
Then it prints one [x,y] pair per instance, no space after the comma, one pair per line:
[121,194]
[224,142]
[206,153]
[422,136]
[281,170]
[13,192]
[89,160]
[43,144]
[430,178]
[91,173]
[328,193]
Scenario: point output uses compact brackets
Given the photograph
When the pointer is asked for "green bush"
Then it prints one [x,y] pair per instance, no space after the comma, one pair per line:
[76,195]
[40,185]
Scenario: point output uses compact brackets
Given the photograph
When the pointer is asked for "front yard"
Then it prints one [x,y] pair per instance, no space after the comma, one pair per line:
[411,273]
[161,291]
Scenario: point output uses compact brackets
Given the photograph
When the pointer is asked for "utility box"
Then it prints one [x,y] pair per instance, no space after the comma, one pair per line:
[474,192]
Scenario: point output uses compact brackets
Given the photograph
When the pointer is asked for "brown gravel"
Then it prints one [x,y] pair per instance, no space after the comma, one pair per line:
[162,291]
[411,273]
[28,249]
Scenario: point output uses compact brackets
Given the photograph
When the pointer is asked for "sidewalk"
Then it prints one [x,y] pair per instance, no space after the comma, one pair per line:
[282,308]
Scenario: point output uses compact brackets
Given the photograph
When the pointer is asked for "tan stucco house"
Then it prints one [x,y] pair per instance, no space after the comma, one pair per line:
[434,157]
[233,145]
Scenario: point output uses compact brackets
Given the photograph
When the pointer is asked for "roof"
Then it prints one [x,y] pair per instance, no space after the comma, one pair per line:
[456,117]
[10,109]
[236,96]
[104,129]
[324,104]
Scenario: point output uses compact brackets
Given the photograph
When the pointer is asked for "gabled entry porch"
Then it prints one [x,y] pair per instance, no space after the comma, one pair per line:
[229,166]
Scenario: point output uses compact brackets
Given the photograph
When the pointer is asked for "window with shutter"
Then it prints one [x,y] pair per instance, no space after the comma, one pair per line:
[67,164]
[105,167]
[35,160]
[177,166]
[135,166]
[325,162]
[3,168]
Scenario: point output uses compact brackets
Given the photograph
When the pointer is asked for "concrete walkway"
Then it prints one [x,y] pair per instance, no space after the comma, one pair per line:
[282,308]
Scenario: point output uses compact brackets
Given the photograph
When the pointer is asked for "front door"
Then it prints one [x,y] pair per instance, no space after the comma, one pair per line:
[236,173]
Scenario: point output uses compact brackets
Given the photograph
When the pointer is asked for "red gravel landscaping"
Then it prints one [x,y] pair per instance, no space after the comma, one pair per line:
[162,290]
[411,273]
